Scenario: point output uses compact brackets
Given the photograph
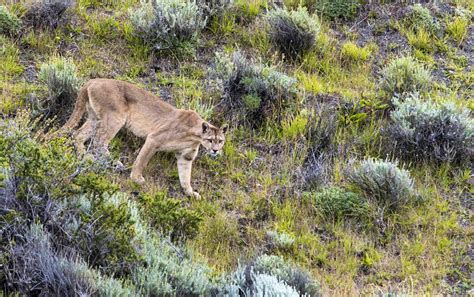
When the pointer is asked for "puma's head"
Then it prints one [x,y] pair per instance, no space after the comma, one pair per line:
[213,139]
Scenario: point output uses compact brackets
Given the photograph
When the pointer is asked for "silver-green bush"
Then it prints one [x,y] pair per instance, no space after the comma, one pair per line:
[59,75]
[270,276]
[405,75]
[253,93]
[167,24]
[425,130]
[292,32]
[9,23]
[383,182]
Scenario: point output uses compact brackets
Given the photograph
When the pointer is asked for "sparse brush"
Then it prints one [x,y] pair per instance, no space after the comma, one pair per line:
[253,93]
[9,23]
[214,8]
[321,132]
[47,14]
[59,75]
[424,130]
[405,75]
[168,24]
[293,32]
[383,182]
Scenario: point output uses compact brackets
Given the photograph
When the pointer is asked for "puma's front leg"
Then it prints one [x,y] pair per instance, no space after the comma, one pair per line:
[146,152]
[184,171]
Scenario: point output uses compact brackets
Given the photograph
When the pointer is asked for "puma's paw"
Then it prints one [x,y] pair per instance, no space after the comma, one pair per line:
[139,179]
[194,194]
[119,167]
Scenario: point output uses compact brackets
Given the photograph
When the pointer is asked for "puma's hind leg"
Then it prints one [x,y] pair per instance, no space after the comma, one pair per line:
[83,134]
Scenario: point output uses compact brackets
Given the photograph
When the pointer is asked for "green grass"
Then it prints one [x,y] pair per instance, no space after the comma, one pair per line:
[257,184]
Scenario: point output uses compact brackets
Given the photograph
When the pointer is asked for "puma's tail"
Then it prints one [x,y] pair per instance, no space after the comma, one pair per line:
[79,109]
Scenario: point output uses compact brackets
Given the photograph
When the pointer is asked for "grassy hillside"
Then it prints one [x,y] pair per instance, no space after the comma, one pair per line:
[347,168]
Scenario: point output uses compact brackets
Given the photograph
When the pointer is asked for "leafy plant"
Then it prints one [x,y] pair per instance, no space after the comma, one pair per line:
[354,54]
[382,181]
[9,23]
[167,24]
[458,28]
[293,32]
[405,75]
[425,130]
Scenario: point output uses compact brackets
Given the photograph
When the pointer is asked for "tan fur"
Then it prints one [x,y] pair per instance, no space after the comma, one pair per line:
[113,104]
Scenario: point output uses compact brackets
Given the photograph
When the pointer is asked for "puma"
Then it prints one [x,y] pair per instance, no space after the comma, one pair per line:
[113,104]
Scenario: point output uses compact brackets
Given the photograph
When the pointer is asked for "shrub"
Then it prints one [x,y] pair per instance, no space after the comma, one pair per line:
[334,9]
[382,181]
[253,93]
[270,276]
[405,75]
[429,131]
[354,54]
[419,18]
[292,32]
[169,271]
[33,268]
[170,216]
[9,23]
[337,203]
[280,240]
[47,14]
[60,77]
[167,24]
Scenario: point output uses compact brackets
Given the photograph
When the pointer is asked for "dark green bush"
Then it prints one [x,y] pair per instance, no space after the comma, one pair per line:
[337,9]
[9,23]
[337,203]
[419,17]
[170,216]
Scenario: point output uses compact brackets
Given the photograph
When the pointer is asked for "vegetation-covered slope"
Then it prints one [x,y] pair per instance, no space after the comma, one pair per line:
[347,169]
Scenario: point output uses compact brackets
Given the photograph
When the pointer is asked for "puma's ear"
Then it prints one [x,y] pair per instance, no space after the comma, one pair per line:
[224,128]
[205,127]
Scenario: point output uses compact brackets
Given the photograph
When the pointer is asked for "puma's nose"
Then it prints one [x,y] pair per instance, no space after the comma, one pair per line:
[214,151]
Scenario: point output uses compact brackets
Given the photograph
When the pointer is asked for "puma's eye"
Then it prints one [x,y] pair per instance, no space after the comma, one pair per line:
[208,140]
[221,141]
